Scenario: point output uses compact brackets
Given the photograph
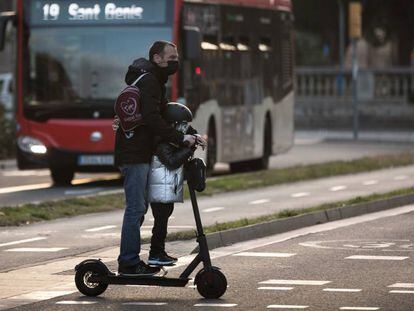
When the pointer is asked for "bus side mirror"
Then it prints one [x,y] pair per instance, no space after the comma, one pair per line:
[192,43]
[5,17]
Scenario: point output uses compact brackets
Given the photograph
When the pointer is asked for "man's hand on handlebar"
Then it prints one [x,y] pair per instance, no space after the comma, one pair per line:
[200,140]
[189,140]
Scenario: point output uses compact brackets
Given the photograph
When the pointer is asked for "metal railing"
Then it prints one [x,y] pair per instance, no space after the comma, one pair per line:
[395,84]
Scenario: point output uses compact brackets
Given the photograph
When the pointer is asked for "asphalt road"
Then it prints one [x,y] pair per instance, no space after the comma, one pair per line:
[362,263]
[72,236]
[18,187]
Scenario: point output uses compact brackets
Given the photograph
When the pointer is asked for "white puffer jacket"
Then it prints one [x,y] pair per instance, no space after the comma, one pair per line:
[164,185]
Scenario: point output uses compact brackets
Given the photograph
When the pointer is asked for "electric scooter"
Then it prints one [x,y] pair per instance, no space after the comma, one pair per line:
[93,276]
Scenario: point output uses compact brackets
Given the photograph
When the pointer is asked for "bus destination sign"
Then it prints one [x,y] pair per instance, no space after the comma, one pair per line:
[98,12]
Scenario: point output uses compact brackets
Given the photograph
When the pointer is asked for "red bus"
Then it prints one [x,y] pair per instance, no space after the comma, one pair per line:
[236,76]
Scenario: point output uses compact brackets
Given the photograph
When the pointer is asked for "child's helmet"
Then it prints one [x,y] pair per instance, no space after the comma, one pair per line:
[176,112]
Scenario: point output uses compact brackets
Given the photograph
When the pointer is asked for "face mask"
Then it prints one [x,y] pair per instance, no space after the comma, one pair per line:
[172,67]
[182,127]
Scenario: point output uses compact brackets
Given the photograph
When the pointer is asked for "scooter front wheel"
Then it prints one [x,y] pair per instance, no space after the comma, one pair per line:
[83,283]
[211,284]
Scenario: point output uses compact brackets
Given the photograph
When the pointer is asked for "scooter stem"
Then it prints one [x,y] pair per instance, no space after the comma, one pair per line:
[201,238]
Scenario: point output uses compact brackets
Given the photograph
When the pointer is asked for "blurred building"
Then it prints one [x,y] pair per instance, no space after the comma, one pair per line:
[388,32]
[385,86]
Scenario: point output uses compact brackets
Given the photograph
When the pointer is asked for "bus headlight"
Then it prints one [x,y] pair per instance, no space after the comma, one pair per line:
[31,145]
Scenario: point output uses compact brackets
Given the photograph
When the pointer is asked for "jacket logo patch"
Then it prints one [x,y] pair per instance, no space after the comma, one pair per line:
[130,106]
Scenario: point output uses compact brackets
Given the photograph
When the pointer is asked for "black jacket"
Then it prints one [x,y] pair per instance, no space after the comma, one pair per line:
[137,146]
[172,156]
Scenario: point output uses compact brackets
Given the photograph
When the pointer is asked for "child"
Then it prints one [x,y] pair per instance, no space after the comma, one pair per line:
[166,181]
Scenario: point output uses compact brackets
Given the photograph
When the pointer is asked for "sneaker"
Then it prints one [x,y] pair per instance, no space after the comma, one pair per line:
[161,260]
[141,269]
[170,257]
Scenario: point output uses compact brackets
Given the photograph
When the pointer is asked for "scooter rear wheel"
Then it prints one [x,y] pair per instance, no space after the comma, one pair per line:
[211,284]
[82,280]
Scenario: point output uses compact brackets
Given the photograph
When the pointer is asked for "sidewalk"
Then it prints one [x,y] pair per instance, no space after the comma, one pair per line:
[363,136]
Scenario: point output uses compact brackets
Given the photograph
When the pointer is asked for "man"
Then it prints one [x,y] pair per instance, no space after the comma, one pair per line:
[133,150]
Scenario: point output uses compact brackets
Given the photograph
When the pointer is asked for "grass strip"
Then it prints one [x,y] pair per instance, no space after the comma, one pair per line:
[270,177]
[29,213]
[190,234]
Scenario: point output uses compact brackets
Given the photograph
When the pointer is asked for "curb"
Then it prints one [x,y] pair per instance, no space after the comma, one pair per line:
[260,230]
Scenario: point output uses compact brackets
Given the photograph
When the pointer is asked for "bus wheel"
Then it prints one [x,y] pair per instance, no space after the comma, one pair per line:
[263,163]
[257,164]
[61,176]
[211,147]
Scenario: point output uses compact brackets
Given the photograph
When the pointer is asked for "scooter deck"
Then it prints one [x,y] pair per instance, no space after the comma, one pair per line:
[120,279]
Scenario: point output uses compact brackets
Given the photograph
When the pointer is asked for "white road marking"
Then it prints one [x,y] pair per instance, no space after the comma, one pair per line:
[81,192]
[224,305]
[25,188]
[274,288]
[402,291]
[400,177]
[48,185]
[300,194]
[257,254]
[308,141]
[144,303]
[37,249]
[358,308]
[384,245]
[213,209]
[23,241]
[101,235]
[377,257]
[100,228]
[295,282]
[73,302]
[402,285]
[261,201]
[337,188]
[87,180]
[41,295]
[26,173]
[286,307]
[370,182]
[146,233]
[170,227]
[342,290]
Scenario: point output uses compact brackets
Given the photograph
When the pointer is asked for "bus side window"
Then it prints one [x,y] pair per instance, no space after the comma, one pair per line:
[267,60]
[286,51]
[243,46]
[209,68]
[265,46]
[209,47]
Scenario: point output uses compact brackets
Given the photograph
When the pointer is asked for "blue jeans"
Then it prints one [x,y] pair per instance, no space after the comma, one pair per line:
[135,188]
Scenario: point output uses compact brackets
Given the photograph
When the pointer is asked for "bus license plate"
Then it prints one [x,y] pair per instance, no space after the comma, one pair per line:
[96,160]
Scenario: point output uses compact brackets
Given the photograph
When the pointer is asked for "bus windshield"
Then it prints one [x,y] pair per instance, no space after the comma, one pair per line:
[77,53]
[78,65]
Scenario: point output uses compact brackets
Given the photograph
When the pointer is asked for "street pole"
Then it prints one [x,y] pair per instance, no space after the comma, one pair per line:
[341,47]
[355,107]
[355,32]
